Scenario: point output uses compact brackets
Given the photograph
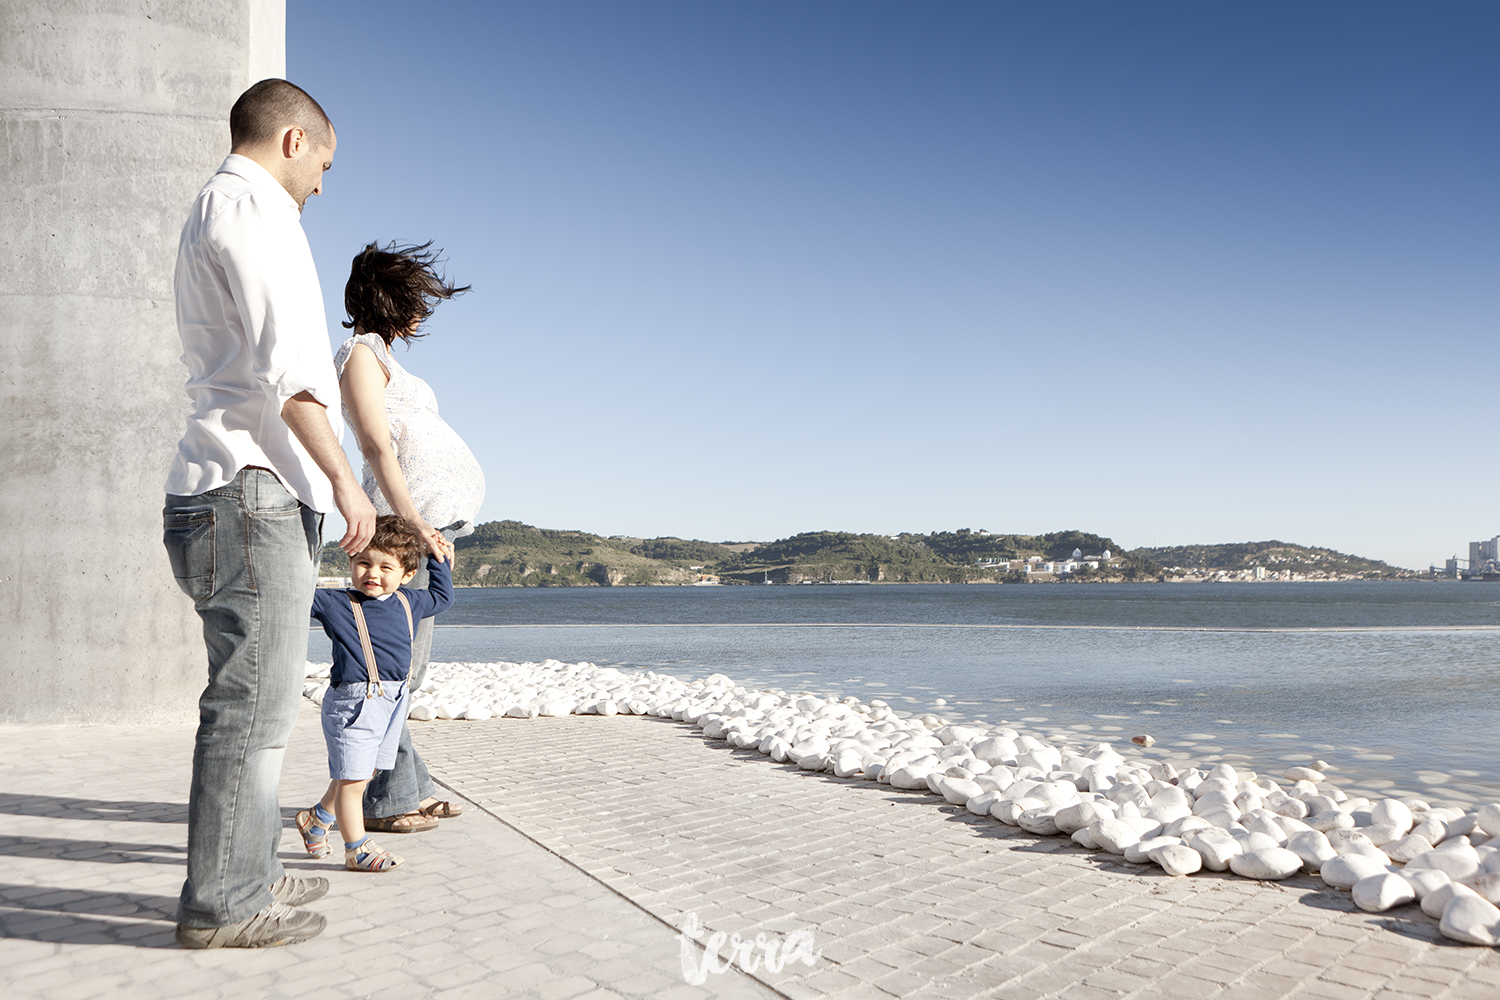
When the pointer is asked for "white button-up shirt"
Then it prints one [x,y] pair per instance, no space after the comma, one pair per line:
[250,312]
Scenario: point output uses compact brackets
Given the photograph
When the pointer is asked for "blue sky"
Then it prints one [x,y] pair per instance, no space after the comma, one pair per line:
[1168,272]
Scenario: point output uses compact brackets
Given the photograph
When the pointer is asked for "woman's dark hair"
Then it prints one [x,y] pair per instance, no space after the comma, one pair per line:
[391,288]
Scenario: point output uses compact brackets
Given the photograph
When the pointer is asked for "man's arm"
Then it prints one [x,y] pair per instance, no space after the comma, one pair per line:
[308,420]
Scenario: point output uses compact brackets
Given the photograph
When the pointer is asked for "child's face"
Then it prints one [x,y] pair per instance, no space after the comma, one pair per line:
[377,573]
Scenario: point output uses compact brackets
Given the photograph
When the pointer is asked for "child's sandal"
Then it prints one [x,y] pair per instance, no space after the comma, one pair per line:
[370,857]
[314,834]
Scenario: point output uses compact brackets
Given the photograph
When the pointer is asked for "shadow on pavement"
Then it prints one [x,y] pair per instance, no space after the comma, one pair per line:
[112,852]
[75,916]
[64,807]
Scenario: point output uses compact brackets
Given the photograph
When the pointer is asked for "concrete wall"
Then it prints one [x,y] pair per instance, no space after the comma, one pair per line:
[113,113]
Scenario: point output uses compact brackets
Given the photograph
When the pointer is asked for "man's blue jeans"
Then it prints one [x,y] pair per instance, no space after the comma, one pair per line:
[246,554]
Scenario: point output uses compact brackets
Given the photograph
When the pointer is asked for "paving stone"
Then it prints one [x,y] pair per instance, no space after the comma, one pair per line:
[582,887]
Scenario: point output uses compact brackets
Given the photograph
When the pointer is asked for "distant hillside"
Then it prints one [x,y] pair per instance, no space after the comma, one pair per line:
[1274,556]
[512,554]
[962,556]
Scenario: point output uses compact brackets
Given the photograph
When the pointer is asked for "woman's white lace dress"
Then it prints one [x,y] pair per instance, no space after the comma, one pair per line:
[442,475]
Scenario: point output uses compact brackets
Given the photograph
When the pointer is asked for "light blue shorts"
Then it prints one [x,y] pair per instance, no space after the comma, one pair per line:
[362,733]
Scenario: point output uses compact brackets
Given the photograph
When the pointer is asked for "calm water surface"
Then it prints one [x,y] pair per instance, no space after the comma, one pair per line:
[1409,704]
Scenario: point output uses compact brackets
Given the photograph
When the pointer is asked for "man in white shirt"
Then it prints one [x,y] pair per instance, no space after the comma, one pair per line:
[258,467]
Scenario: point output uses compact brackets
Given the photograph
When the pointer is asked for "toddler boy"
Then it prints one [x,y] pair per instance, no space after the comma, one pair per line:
[371,625]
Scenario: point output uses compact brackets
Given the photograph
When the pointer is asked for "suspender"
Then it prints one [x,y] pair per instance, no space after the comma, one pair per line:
[372,680]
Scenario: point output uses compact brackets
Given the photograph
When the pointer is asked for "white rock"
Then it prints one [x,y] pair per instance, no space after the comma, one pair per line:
[1436,901]
[1260,822]
[958,790]
[1432,828]
[1302,774]
[1488,818]
[1267,863]
[910,778]
[422,713]
[1457,862]
[1378,893]
[1139,852]
[1424,880]
[1486,884]
[1345,870]
[478,713]
[1394,812]
[1313,849]
[1328,821]
[980,804]
[514,712]
[1177,859]
[1084,839]
[1471,920]
[1114,835]
[1075,817]
[1380,834]
[1216,849]
[1038,821]
[1408,847]
[1008,812]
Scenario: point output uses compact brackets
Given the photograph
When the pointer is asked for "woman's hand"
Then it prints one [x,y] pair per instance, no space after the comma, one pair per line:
[437,545]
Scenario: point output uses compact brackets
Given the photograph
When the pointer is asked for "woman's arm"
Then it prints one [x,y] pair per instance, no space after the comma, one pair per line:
[363,386]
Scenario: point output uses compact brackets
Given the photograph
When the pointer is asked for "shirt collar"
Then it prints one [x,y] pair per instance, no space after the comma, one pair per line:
[382,597]
[257,175]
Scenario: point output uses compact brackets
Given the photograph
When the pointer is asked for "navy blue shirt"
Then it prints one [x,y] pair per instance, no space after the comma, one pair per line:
[386,621]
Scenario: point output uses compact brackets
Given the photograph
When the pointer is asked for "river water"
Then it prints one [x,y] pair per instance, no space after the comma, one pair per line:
[1397,685]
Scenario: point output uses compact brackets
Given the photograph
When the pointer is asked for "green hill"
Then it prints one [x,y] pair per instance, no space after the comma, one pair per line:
[1274,556]
[512,554]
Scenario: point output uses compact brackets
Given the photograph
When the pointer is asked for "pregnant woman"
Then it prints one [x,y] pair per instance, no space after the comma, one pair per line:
[415,466]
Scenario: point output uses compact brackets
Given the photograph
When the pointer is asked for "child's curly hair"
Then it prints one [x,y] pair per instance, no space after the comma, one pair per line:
[397,536]
[392,290]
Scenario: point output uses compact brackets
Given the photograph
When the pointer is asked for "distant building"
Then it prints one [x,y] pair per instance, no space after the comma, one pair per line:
[1484,555]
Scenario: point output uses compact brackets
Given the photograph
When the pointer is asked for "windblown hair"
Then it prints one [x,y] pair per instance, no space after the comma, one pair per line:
[272,105]
[392,290]
[397,536]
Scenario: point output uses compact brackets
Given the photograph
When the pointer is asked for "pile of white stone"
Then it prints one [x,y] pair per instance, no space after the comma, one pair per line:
[1387,852]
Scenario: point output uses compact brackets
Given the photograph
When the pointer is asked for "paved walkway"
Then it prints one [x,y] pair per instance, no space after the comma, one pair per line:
[588,840]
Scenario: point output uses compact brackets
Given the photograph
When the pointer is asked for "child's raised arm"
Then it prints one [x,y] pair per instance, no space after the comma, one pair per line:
[439,584]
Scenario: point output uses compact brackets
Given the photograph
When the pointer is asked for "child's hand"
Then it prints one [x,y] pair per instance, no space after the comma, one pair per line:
[447,550]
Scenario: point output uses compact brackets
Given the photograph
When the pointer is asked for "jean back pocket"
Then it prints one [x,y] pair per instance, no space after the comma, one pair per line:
[189,538]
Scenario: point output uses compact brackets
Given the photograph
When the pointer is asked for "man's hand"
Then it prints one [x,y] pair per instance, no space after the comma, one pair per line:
[360,515]
[308,420]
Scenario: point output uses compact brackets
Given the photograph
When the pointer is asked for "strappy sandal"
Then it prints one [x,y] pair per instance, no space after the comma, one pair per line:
[412,822]
[370,857]
[442,810]
[314,834]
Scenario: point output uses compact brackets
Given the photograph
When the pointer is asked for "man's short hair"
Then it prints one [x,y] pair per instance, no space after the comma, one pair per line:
[395,535]
[272,105]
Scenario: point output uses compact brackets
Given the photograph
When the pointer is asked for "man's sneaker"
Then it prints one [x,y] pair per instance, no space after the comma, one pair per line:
[314,834]
[277,924]
[370,857]
[292,891]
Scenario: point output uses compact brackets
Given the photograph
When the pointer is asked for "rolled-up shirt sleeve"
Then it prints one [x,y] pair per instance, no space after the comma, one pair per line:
[268,265]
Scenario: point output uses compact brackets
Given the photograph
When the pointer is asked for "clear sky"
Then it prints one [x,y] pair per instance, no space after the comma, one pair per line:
[1168,272]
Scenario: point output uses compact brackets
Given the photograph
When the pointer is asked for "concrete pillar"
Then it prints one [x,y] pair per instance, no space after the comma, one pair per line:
[113,115]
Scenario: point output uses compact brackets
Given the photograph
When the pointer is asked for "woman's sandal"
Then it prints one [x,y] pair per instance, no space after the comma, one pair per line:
[314,834]
[370,857]
[441,810]
[412,822]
